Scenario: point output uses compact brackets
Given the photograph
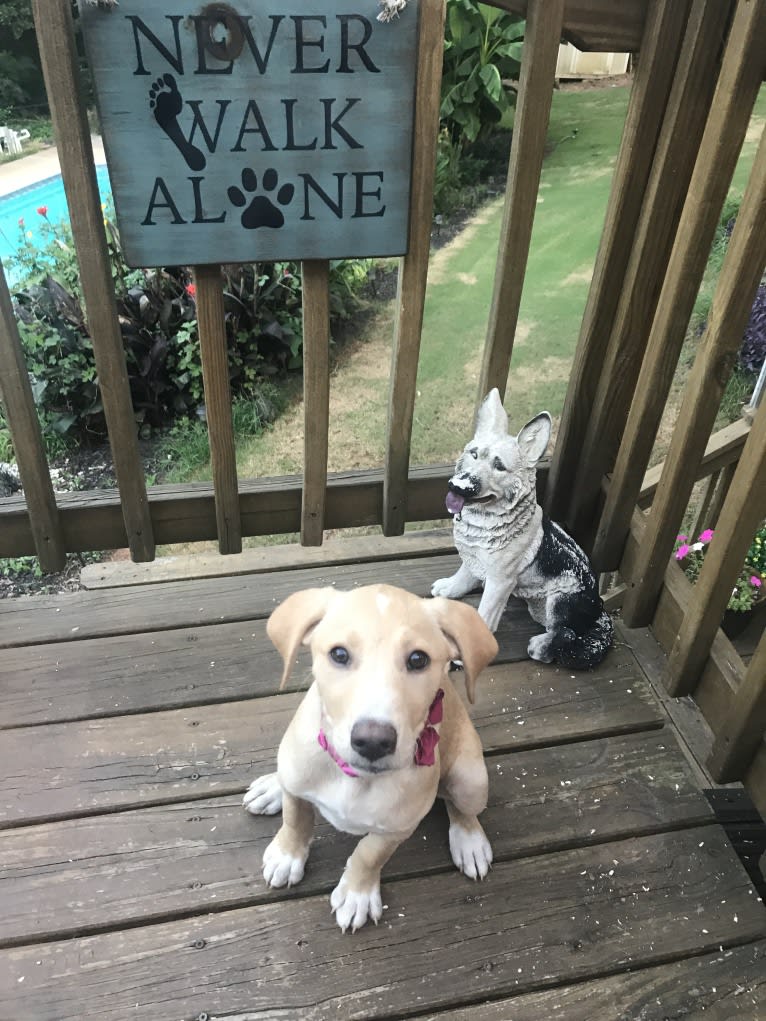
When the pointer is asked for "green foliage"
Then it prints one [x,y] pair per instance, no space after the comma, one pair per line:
[158,319]
[13,567]
[482,51]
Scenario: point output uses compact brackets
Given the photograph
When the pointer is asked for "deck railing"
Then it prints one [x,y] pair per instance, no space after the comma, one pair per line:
[699,69]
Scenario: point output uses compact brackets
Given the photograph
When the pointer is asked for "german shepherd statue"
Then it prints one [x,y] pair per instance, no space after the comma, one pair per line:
[507,543]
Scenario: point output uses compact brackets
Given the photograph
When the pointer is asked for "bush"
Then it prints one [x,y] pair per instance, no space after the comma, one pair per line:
[158,320]
[753,351]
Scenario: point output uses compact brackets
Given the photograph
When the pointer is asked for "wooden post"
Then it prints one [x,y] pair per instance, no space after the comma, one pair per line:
[533,107]
[738,86]
[23,423]
[740,518]
[315,277]
[737,286]
[680,136]
[55,37]
[215,376]
[648,98]
[742,731]
[413,268]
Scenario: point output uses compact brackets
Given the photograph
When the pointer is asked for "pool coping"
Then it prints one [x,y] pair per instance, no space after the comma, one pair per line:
[39,166]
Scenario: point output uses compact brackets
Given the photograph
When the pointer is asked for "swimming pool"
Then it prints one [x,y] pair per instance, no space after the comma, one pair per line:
[23,205]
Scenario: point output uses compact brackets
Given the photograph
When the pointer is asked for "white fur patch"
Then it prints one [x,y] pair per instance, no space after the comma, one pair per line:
[382,602]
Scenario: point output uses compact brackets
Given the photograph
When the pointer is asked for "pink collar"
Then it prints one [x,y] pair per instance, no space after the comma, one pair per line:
[425,753]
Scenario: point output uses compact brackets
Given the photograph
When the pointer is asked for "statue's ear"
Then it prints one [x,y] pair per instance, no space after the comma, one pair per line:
[491,419]
[533,438]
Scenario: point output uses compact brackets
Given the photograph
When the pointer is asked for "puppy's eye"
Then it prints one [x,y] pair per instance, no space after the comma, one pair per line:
[498,465]
[474,453]
[340,655]
[418,660]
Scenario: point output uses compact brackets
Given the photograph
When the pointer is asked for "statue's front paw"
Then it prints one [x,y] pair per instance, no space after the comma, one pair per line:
[446,587]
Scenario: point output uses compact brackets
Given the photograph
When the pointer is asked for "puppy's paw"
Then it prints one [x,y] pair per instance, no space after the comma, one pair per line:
[281,868]
[264,796]
[471,851]
[539,648]
[353,907]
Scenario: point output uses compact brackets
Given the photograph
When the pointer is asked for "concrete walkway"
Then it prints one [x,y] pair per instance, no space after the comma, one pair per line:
[38,166]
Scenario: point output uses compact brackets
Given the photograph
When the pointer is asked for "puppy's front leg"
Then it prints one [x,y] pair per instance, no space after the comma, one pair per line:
[285,857]
[457,585]
[357,896]
[493,601]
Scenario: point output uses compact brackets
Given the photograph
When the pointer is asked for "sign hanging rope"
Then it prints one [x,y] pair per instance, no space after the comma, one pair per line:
[391,9]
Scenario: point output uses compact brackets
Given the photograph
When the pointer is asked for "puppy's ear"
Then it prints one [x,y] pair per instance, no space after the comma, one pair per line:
[533,438]
[293,621]
[491,418]
[475,643]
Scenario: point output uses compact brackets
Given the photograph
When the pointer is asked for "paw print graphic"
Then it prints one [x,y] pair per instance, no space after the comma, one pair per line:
[261,211]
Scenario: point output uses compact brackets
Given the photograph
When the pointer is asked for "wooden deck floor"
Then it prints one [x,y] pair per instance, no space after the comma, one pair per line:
[130,880]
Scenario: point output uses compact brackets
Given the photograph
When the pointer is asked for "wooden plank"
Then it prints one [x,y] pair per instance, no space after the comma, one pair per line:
[169,669]
[742,731]
[721,492]
[542,921]
[530,126]
[742,514]
[738,86]
[58,54]
[736,289]
[267,559]
[722,986]
[315,282]
[26,435]
[214,352]
[648,97]
[596,25]
[85,767]
[203,855]
[706,500]
[755,781]
[76,616]
[679,139]
[413,268]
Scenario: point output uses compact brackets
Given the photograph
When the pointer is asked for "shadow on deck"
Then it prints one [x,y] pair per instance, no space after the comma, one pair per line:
[136,716]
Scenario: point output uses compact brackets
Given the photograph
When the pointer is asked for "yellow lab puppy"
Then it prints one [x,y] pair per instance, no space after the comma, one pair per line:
[380,732]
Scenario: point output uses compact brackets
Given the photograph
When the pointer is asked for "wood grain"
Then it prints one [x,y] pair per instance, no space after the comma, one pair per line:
[315,281]
[596,25]
[26,436]
[742,731]
[530,126]
[648,98]
[205,855]
[738,85]
[55,37]
[413,268]
[96,765]
[547,920]
[716,357]
[680,135]
[215,373]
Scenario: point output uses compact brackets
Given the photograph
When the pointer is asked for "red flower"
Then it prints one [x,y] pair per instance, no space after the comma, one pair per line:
[21,221]
[191,290]
[42,210]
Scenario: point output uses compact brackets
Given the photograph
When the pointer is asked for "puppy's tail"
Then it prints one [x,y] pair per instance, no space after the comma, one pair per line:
[583,652]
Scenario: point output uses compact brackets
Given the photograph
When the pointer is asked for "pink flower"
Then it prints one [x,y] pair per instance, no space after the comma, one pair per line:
[755,581]
[682,551]
[42,210]
[707,535]
[681,538]
[21,221]
[191,290]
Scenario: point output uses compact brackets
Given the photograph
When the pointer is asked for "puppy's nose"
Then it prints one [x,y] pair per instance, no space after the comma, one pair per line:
[372,740]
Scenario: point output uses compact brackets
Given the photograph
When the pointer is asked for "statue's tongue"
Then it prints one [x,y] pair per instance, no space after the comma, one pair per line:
[455,502]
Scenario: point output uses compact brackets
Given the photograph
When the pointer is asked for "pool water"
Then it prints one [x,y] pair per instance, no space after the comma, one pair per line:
[25,203]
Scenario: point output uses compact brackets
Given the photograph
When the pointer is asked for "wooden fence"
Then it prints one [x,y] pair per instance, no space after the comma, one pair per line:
[699,69]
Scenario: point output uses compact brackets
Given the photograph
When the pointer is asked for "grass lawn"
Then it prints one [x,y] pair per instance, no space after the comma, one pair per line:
[574,190]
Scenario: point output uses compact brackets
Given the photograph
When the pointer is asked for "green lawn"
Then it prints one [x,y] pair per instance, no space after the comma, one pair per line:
[573,195]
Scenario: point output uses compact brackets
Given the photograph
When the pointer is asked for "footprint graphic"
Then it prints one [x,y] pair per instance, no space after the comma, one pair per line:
[261,212]
[166,103]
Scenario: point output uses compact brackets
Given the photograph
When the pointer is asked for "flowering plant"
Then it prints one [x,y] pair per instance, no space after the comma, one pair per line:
[749,587]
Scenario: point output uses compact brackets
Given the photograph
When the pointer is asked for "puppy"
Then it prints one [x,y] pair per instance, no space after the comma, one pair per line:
[378,734]
[508,544]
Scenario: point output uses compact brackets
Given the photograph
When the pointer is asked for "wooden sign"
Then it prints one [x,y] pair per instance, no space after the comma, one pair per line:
[259,132]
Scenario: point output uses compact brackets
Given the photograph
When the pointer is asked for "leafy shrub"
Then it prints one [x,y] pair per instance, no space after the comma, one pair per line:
[158,319]
[752,354]
[482,51]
